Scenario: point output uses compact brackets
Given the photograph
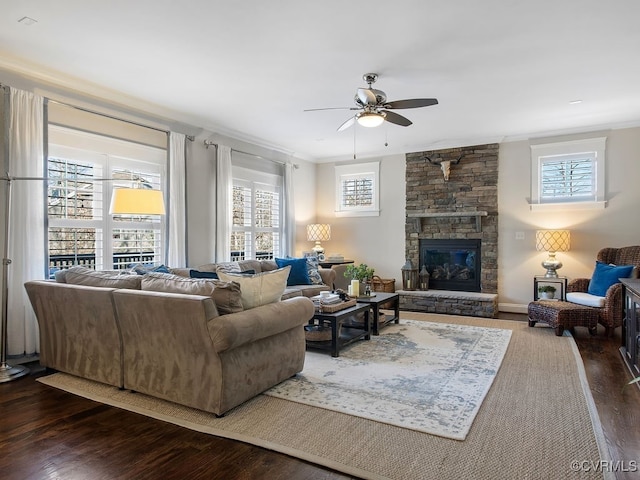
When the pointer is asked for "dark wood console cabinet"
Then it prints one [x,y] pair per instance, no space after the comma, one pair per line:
[630,348]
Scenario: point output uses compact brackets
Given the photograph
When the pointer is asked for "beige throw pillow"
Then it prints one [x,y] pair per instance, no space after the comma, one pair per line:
[261,288]
[226,295]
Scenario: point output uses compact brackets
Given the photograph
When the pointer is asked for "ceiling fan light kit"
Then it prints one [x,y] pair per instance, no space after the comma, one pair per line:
[370,119]
[374,108]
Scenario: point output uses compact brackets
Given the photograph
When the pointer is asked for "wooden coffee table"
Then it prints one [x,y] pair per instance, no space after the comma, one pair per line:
[378,300]
[341,334]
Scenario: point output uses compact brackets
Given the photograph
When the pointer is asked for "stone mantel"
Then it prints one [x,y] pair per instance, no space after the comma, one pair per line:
[417,217]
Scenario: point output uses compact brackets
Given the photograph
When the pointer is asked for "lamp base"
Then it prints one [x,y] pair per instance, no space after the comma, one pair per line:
[8,373]
[551,264]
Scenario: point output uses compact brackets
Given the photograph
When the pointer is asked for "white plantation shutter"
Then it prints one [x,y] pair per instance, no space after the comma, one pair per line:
[257,225]
[568,177]
[80,229]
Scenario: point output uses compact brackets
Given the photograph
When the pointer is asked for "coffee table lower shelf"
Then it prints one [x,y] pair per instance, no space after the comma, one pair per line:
[341,334]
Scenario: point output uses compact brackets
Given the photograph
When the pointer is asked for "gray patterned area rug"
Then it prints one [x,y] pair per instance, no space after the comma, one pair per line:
[429,377]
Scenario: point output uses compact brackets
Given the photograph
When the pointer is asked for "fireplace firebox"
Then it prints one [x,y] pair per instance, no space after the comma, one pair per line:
[453,264]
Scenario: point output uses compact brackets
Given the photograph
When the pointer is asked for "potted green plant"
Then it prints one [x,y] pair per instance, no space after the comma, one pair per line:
[363,273]
[360,272]
[547,291]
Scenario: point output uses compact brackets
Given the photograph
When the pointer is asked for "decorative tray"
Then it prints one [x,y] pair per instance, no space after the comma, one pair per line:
[337,307]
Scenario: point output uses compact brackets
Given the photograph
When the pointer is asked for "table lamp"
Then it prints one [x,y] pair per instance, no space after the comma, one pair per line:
[318,232]
[552,241]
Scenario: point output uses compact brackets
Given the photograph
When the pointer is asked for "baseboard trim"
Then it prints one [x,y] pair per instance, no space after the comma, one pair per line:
[512,307]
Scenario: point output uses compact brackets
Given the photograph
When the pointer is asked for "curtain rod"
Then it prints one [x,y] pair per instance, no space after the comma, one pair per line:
[84,109]
[213,144]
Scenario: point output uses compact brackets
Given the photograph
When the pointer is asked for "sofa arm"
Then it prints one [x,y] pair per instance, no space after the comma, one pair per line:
[235,329]
[578,285]
[328,276]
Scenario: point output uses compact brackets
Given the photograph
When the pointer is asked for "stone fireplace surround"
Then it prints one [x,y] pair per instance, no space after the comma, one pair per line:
[464,207]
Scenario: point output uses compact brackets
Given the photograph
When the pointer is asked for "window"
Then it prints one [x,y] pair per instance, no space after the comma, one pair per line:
[568,174]
[256,230]
[80,229]
[357,189]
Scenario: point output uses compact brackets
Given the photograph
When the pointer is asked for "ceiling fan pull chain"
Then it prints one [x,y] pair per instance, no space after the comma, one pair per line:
[354,141]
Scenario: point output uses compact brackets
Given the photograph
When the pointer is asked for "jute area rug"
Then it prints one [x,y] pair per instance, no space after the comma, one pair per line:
[427,376]
[537,421]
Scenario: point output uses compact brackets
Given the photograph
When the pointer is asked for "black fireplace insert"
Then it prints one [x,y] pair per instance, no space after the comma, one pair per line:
[453,264]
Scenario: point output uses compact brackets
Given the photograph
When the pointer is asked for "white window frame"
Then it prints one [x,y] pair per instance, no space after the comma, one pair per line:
[368,171]
[88,147]
[593,148]
[253,180]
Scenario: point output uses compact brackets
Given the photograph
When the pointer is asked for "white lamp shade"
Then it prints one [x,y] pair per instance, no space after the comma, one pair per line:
[136,201]
[553,240]
[318,232]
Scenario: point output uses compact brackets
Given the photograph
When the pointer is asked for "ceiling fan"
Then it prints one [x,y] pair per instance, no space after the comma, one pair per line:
[374,108]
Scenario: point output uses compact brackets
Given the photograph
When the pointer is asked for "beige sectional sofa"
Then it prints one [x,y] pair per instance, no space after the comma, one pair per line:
[201,350]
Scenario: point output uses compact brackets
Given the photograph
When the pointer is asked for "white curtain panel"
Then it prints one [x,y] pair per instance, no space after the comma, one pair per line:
[224,201]
[177,256]
[289,240]
[26,230]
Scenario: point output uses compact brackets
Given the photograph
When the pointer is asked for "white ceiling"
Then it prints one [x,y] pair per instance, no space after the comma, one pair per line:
[500,69]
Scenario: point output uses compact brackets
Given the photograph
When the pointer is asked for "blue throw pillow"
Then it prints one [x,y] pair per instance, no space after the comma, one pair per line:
[200,274]
[606,275]
[298,274]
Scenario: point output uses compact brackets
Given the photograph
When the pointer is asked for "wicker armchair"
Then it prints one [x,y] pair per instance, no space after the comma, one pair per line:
[612,311]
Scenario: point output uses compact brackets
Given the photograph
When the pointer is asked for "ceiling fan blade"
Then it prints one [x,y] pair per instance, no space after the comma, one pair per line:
[412,103]
[347,124]
[366,96]
[397,119]
[330,108]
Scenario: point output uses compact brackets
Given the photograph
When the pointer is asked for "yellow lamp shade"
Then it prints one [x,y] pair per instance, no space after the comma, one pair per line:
[136,201]
[553,240]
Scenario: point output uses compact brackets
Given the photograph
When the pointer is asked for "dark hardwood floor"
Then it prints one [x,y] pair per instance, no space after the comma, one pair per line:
[47,433]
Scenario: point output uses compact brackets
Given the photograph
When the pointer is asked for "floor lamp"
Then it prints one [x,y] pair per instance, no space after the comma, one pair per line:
[7,372]
[125,201]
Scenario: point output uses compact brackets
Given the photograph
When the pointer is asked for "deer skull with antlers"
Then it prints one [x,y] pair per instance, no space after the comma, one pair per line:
[445,165]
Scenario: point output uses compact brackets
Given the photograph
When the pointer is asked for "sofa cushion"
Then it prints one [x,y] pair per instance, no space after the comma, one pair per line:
[313,290]
[87,276]
[585,299]
[606,275]
[259,289]
[298,274]
[291,292]
[226,295]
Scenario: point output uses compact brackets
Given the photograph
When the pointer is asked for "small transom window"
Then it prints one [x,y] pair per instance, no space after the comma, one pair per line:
[568,173]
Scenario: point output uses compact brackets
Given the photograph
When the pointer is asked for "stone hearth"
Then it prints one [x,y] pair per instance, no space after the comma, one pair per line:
[450,302]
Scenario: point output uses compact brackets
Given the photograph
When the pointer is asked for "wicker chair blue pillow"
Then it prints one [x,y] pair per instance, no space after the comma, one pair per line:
[606,275]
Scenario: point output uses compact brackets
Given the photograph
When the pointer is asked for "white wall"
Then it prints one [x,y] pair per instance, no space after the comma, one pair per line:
[376,241]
